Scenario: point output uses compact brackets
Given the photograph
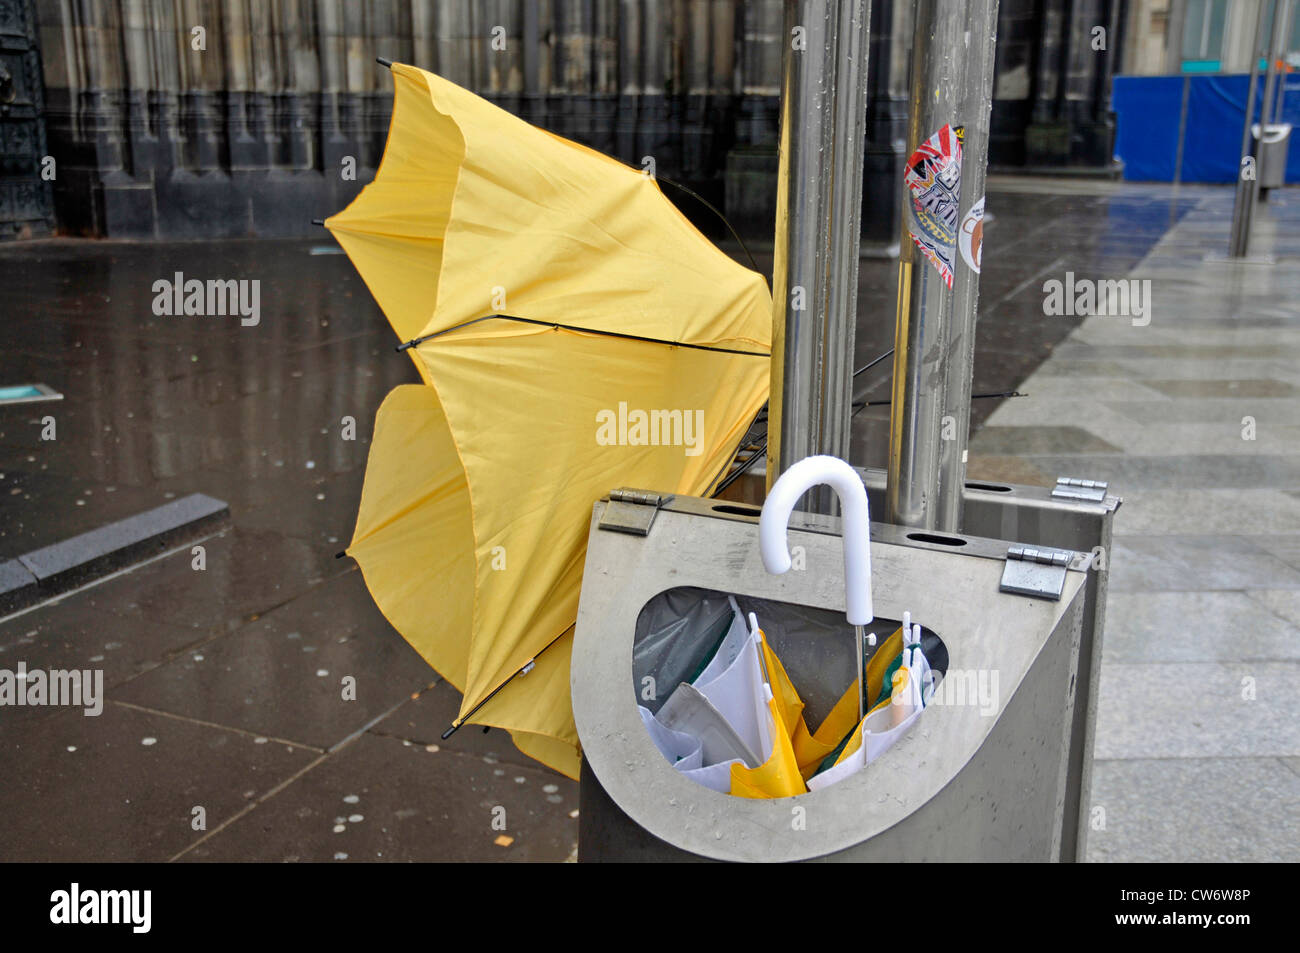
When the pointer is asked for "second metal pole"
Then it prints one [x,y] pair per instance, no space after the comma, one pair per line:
[819,202]
[952,85]
[1243,206]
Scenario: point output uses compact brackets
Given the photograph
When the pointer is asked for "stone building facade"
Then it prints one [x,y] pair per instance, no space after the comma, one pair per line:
[212,118]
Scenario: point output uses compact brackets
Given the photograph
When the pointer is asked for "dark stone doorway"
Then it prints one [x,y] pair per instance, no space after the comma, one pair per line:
[25,205]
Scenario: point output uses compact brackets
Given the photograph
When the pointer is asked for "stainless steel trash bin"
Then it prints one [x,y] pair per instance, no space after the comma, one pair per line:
[1272,153]
[965,784]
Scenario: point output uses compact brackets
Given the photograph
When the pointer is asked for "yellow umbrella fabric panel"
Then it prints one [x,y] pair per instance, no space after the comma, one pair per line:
[475,212]
[413,539]
[546,422]
[779,775]
[475,512]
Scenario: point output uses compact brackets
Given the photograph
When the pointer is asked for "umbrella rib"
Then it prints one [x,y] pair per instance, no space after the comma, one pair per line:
[458,723]
[415,342]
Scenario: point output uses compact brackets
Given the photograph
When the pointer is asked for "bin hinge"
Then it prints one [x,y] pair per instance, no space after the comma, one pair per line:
[633,511]
[1031,571]
[1069,488]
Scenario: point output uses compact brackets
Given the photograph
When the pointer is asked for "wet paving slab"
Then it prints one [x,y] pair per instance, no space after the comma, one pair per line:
[387,799]
[79,636]
[124,785]
[1223,821]
[1199,413]
[244,574]
[315,671]
[220,665]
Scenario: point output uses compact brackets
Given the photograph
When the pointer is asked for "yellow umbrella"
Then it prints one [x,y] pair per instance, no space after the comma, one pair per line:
[578,334]
[798,753]
[779,775]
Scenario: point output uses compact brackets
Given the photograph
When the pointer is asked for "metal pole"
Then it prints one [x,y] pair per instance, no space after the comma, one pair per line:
[952,76]
[1243,206]
[819,201]
[1281,17]
[1281,86]
[1182,130]
[976,108]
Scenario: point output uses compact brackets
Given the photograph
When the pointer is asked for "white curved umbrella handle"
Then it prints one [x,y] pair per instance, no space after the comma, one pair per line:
[844,480]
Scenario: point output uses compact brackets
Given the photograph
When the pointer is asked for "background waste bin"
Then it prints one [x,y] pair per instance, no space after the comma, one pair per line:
[1272,153]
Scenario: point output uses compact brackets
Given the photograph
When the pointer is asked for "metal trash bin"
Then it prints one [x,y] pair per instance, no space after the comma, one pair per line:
[963,785]
[1272,154]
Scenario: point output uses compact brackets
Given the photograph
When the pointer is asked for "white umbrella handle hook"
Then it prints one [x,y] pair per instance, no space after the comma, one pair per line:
[846,483]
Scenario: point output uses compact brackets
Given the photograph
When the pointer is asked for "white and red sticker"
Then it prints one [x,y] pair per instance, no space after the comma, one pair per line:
[970,238]
[934,178]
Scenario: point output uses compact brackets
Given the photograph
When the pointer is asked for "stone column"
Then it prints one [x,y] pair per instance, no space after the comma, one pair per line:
[1071,125]
[203,79]
[752,163]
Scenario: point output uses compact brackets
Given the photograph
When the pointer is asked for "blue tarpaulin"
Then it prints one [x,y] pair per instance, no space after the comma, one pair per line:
[1146,136]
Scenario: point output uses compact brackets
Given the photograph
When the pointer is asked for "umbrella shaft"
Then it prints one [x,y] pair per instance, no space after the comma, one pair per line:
[862,687]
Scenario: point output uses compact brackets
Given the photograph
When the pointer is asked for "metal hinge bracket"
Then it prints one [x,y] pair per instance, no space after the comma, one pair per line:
[1031,571]
[1069,488]
[633,511]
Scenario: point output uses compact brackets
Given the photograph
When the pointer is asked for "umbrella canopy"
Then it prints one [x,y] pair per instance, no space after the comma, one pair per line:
[577,334]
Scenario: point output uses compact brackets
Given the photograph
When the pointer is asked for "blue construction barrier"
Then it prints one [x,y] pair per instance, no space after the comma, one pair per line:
[1146,136]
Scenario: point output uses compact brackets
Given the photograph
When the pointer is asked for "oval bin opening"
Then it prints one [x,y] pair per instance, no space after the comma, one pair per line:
[682,640]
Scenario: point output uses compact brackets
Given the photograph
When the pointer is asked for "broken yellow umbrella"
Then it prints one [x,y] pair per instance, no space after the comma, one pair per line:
[575,334]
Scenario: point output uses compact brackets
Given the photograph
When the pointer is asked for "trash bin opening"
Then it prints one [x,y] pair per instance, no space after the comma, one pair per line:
[990,487]
[937,539]
[687,638]
[737,509]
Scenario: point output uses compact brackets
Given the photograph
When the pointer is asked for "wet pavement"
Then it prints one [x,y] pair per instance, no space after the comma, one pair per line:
[1194,418]
[224,734]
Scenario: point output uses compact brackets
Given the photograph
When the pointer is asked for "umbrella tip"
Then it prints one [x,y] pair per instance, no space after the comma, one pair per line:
[387,64]
[318,221]
[340,554]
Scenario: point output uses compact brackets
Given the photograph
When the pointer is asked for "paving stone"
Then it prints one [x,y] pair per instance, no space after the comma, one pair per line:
[1198,710]
[283,674]
[1041,440]
[246,573]
[1143,564]
[122,786]
[382,799]
[1211,810]
[1198,626]
[77,634]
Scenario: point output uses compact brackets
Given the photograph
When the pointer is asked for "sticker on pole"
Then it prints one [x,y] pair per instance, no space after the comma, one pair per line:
[970,239]
[934,177]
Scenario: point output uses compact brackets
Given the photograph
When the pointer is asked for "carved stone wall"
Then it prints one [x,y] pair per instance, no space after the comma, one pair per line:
[203,118]
[210,118]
